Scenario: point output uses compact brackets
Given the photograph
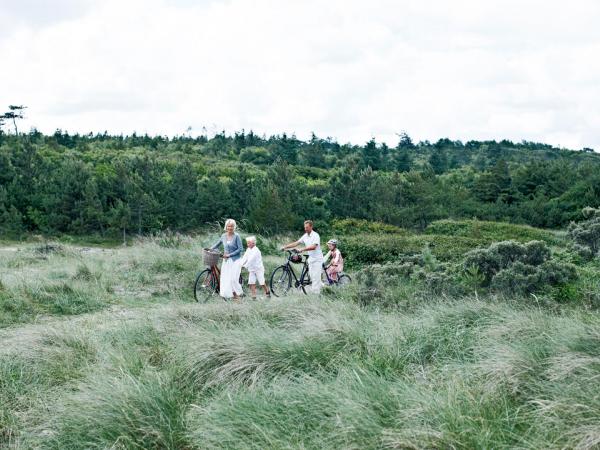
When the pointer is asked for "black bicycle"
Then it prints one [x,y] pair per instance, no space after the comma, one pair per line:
[284,276]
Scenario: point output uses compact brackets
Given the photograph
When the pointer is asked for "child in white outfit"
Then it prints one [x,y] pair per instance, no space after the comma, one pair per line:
[252,260]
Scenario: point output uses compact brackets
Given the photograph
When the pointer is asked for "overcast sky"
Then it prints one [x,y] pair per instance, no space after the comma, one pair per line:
[349,69]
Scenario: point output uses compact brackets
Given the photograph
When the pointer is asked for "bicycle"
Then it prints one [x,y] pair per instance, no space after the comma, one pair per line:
[343,279]
[207,284]
[281,277]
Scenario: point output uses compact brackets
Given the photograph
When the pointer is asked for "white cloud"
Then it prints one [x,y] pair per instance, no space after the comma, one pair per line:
[344,68]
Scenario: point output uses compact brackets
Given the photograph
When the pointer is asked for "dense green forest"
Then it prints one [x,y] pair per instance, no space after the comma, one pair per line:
[103,184]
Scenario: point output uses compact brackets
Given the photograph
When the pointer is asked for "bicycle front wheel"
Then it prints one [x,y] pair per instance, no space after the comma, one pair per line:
[205,286]
[281,281]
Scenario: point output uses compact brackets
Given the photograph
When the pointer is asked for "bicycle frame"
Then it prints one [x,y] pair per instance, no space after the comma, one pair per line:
[282,281]
[342,277]
[216,273]
[212,280]
[303,273]
[330,281]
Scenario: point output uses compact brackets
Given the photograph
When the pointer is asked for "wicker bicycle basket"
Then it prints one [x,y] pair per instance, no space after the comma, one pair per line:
[210,257]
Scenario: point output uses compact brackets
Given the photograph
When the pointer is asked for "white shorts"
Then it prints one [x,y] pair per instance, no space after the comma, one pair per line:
[259,276]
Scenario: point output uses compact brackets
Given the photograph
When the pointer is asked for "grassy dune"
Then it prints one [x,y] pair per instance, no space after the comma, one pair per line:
[104,348]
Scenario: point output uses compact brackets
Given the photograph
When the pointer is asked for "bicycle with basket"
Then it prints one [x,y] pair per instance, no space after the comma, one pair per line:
[207,284]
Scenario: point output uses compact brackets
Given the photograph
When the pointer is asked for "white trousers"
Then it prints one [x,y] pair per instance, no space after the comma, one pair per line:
[315,266]
[230,278]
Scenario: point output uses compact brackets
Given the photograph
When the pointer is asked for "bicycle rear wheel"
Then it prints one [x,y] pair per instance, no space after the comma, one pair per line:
[205,286]
[343,281]
[281,281]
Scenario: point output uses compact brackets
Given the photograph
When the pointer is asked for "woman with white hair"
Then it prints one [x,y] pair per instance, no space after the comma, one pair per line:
[230,271]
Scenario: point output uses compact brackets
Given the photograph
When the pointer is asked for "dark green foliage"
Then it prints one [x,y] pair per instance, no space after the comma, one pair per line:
[438,161]
[272,206]
[390,273]
[123,185]
[369,248]
[491,231]
[285,148]
[348,227]
[11,222]
[586,234]
[313,154]
[523,278]
[512,267]
[495,185]
[403,162]
[372,156]
[256,155]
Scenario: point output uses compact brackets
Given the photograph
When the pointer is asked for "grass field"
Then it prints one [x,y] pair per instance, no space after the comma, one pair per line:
[105,348]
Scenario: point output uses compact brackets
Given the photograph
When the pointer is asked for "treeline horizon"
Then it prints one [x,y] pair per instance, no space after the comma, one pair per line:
[104,184]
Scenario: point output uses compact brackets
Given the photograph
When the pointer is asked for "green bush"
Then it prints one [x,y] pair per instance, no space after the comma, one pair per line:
[511,267]
[256,155]
[385,274]
[586,234]
[378,249]
[490,231]
[423,271]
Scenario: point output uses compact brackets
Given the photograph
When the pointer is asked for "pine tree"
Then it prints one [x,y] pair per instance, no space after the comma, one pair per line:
[486,187]
[213,200]
[92,216]
[286,149]
[405,142]
[371,155]
[438,161]
[313,153]
[270,212]
[403,161]
[120,218]
[384,152]
[11,220]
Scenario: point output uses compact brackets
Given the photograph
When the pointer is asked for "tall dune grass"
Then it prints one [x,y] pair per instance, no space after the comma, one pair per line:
[161,372]
[304,373]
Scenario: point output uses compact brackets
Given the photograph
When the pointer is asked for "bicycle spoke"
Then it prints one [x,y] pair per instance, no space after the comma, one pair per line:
[206,286]
[343,281]
[280,281]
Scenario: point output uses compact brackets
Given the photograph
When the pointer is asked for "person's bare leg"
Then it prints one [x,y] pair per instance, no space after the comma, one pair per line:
[267,293]
[253,290]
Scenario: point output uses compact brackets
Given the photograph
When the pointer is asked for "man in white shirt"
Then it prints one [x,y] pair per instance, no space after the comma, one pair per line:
[252,261]
[312,246]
